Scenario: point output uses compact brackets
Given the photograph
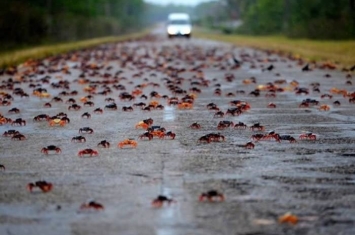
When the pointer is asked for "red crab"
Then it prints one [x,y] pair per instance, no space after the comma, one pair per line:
[42,185]
[10,133]
[258,127]
[92,205]
[195,125]
[240,125]
[249,145]
[308,136]
[78,139]
[104,144]
[19,121]
[86,130]
[51,148]
[18,137]
[224,124]
[90,152]
[211,196]
[160,200]
[146,135]
[170,135]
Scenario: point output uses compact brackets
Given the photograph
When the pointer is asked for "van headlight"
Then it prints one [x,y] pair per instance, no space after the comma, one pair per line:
[186,31]
[171,30]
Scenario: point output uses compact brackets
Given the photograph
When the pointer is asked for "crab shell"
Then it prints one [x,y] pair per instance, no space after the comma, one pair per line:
[185,106]
[308,137]
[131,143]
[142,125]
[90,152]
[55,122]
[45,150]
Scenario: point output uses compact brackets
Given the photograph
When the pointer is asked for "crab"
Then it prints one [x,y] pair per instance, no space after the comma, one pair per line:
[218,114]
[109,99]
[41,117]
[287,137]
[204,139]
[70,101]
[14,110]
[18,121]
[249,145]
[44,186]
[288,218]
[18,137]
[211,196]
[51,148]
[257,137]
[57,122]
[90,152]
[144,124]
[86,115]
[104,144]
[308,136]
[233,111]
[10,133]
[75,107]
[195,125]
[159,107]
[86,130]
[127,109]
[160,200]
[65,119]
[89,103]
[224,124]
[257,127]
[240,125]
[92,205]
[141,105]
[127,142]
[271,105]
[57,99]
[272,135]
[185,105]
[79,138]
[324,107]
[216,137]
[98,111]
[146,134]
[170,135]
[2,167]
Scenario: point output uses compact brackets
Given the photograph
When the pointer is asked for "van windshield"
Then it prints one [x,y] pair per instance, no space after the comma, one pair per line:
[178,22]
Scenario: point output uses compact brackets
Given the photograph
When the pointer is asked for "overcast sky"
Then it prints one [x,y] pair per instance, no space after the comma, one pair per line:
[185,2]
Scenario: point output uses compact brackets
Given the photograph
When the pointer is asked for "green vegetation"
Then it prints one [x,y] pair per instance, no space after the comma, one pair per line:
[319,50]
[314,19]
[34,22]
[18,56]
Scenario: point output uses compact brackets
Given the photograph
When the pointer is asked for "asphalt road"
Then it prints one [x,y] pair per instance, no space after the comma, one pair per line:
[312,179]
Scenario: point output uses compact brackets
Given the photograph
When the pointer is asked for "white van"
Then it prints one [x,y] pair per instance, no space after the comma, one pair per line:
[179,24]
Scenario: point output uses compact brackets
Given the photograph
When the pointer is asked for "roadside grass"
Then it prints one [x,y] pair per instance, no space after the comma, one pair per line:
[342,52]
[16,57]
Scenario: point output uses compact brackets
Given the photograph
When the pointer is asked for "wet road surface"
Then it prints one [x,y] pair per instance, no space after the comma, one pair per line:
[313,179]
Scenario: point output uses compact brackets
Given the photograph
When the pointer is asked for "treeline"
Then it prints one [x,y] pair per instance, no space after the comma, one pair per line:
[27,22]
[315,19]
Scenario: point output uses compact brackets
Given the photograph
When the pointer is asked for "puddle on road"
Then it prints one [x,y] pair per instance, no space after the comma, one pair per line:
[169,114]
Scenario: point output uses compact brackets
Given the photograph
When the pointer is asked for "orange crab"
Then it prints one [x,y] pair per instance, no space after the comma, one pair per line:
[142,125]
[154,103]
[129,142]
[185,106]
[324,107]
[288,218]
[57,122]
[158,133]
